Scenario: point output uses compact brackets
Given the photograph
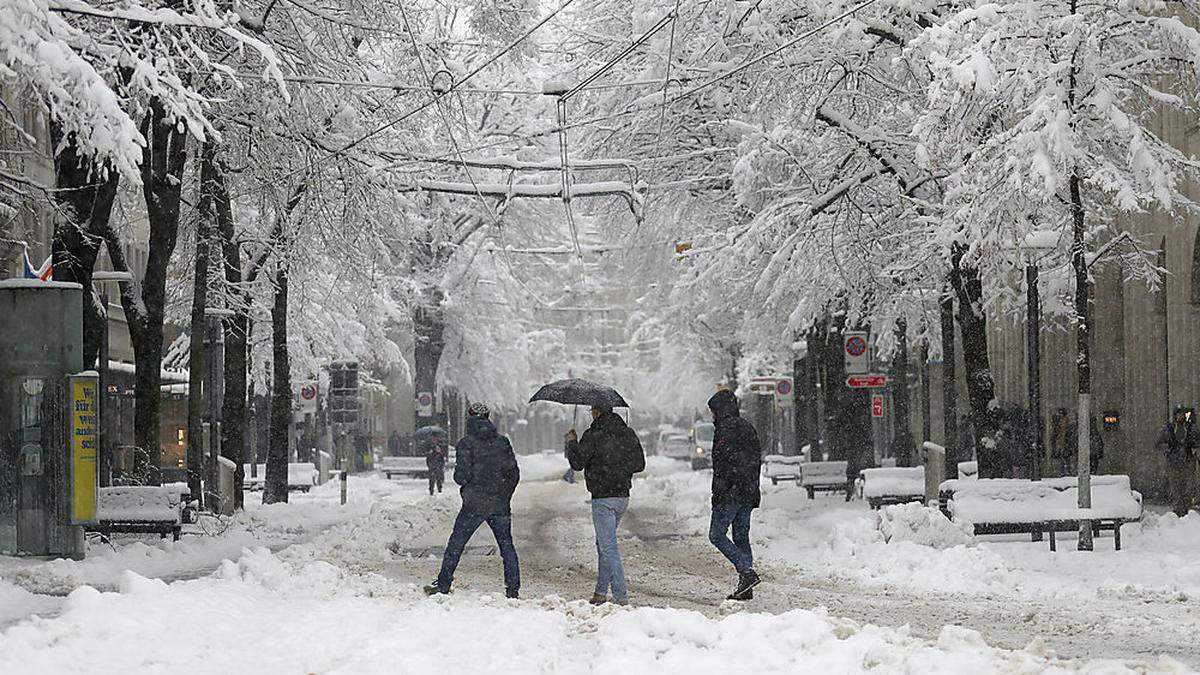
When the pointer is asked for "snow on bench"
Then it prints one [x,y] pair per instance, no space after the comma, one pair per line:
[968,470]
[824,476]
[254,482]
[139,508]
[1010,505]
[301,476]
[781,467]
[893,485]
[413,467]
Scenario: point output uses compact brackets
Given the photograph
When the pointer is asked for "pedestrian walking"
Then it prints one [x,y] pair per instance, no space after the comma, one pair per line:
[1095,446]
[1179,441]
[1063,448]
[736,465]
[608,454]
[393,444]
[486,469]
[435,461]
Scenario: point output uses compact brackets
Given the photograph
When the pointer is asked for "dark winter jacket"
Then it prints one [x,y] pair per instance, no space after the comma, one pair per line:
[609,453]
[486,468]
[1177,441]
[736,454]
[435,456]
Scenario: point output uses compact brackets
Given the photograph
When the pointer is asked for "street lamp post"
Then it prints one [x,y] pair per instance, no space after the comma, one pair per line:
[1034,246]
[104,465]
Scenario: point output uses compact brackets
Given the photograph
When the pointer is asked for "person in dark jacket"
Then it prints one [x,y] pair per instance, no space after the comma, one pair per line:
[1179,441]
[435,461]
[486,469]
[393,444]
[736,465]
[608,455]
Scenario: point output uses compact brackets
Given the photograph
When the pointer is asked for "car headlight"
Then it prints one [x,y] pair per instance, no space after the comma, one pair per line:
[699,450]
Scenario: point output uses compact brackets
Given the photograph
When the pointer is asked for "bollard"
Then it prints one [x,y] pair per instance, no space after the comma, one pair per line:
[935,468]
[342,478]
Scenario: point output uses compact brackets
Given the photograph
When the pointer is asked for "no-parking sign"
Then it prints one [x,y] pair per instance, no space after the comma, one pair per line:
[425,404]
[857,353]
[783,391]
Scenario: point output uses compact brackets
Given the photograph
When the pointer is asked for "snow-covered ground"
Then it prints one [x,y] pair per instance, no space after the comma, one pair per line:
[313,586]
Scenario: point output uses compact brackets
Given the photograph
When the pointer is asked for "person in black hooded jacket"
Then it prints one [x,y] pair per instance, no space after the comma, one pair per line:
[737,463]
[486,469]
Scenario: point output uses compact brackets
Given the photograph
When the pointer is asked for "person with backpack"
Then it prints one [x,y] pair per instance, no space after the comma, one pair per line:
[486,469]
[608,454]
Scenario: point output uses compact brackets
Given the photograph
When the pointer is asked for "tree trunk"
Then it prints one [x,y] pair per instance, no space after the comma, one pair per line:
[981,389]
[902,443]
[233,410]
[275,488]
[162,182]
[949,387]
[430,328]
[195,450]
[1083,361]
[85,199]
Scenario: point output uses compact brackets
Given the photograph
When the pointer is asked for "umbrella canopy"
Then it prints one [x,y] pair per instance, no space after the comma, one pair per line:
[580,392]
[426,432]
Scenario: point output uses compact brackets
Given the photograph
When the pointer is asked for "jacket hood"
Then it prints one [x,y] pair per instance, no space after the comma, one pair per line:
[481,428]
[723,404]
[608,420]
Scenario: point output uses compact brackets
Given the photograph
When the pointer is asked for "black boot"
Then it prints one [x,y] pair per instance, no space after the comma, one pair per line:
[435,589]
[512,593]
[746,583]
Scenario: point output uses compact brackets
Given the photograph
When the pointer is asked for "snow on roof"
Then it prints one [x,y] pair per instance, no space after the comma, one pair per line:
[169,376]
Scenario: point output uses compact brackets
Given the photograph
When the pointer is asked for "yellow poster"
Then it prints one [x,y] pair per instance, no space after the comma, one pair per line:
[84,446]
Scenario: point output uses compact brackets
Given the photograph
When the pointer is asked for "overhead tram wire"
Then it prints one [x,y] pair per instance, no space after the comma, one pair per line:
[453,87]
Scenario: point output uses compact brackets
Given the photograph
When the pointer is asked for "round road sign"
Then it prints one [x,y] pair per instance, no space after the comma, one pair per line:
[308,392]
[856,346]
[783,387]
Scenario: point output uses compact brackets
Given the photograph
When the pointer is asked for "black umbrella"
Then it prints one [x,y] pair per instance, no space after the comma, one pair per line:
[580,392]
[425,432]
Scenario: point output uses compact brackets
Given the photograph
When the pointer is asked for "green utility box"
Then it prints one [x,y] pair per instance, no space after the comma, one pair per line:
[48,420]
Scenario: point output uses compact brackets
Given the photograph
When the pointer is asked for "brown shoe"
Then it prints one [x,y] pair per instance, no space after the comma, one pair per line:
[623,603]
[598,599]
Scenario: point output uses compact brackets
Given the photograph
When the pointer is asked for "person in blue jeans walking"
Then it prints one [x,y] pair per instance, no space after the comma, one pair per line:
[608,454]
[737,463]
[486,469]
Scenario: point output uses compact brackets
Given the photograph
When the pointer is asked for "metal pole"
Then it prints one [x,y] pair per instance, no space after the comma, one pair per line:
[1033,323]
[342,478]
[105,427]
[209,469]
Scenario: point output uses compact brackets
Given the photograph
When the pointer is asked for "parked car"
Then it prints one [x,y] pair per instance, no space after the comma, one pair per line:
[702,439]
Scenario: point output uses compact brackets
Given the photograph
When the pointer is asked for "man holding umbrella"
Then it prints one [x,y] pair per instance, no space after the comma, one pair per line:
[486,468]
[609,454]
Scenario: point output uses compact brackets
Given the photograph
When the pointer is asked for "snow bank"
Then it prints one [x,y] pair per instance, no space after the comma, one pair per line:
[922,525]
[272,616]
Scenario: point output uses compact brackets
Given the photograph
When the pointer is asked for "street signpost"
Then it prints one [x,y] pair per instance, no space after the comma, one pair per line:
[425,404]
[783,392]
[877,405]
[856,352]
[875,381]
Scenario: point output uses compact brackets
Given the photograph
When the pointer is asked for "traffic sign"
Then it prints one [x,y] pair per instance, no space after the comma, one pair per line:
[308,397]
[783,391]
[866,381]
[856,352]
[877,405]
[425,404]
[763,385]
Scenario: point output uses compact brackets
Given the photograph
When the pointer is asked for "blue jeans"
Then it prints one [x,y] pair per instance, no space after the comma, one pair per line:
[737,551]
[606,516]
[464,526]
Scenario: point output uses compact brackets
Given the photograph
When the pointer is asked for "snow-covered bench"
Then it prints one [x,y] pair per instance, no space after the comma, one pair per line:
[968,470]
[1009,505]
[893,485]
[149,509]
[824,477]
[781,467]
[255,482]
[412,467]
[302,476]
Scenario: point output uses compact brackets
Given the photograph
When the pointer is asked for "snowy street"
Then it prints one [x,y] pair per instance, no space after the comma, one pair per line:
[345,595]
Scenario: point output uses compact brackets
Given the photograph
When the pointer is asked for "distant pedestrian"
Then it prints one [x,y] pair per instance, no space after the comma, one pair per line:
[608,455]
[435,461]
[486,469]
[1063,448]
[1095,446]
[736,464]
[393,444]
[1179,441]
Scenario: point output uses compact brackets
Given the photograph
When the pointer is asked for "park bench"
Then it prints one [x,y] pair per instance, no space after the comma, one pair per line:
[782,468]
[968,470]
[893,485]
[824,477]
[1016,506]
[302,476]
[254,482]
[139,509]
[413,467]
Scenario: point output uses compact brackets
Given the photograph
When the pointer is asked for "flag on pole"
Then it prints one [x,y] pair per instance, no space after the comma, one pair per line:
[44,273]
